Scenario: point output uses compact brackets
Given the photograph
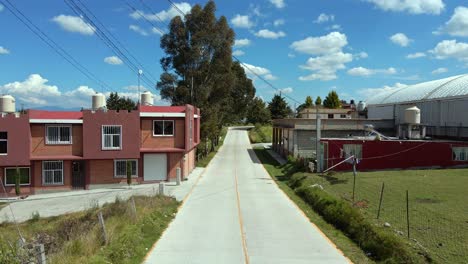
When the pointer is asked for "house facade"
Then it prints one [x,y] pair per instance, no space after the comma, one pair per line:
[56,151]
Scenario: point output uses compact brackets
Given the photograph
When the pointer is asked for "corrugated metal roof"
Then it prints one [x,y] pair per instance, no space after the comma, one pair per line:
[444,88]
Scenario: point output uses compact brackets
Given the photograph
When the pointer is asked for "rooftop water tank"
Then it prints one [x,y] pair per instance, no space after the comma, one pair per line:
[7,104]
[361,106]
[99,101]
[412,115]
[146,98]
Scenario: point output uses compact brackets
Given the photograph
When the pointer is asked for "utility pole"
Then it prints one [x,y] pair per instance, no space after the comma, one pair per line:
[140,72]
[317,140]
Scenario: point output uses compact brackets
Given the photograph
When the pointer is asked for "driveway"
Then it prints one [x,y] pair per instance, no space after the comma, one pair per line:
[237,214]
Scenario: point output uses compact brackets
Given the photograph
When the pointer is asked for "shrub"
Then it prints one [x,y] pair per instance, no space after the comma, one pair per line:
[35,216]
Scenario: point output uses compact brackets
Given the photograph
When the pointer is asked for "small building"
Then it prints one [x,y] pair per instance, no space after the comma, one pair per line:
[393,154]
[57,150]
[326,113]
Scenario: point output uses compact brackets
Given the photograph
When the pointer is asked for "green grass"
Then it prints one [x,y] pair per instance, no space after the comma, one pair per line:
[438,210]
[261,134]
[203,162]
[76,237]
[346,245]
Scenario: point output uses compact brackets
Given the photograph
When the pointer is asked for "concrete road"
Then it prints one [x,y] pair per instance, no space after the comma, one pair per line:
[237,214]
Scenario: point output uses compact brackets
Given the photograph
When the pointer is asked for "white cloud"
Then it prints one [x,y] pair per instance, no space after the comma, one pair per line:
[365,72]
[252,71]
[331,57]
[157,31]
[416,55]
[325,67]
[331,43]
[242,42]
[278,3]
[361,55]
[451,49]
[164,15]
[238,53]
[265,33]
[439,71]
[370,92]
[287,90]
[241,21]
[322,18]
[291,55]
[138,30]
[457,25]
[74,24]
[401,39]
[278,22]
[433,7]
[113,60]
[4,50]
[335,27]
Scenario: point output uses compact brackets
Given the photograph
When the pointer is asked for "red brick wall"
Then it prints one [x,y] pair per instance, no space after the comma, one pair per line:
[36,177]
[40,148]
[10,190]
[19,140]
[150,141]
[102,172]
[174,161]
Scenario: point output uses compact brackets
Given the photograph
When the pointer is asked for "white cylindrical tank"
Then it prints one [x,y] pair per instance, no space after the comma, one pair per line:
[361,106]
[98,101]
[7,104]
[146,98]
[412,115]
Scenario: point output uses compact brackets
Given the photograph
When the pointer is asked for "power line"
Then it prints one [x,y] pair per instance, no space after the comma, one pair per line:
[52,44]
[238,60]
[145,18]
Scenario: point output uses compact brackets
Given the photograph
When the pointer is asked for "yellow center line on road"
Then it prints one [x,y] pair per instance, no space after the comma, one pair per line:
[239,213]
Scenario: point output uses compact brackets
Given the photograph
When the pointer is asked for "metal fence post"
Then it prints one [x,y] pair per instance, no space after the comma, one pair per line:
[380,201]
[354,176]
[103,227]
[40,254]
[178,175]
[161,188]
[407,213]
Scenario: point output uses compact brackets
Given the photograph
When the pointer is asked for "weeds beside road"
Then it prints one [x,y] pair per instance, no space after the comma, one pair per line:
[261,134]
[77,237]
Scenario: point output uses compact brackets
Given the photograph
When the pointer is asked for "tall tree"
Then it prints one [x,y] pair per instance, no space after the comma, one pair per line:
[332,100]
[318,101]
[115,102]
[241,96]
[258,112]
[278,107]
[199,55]
[307,104]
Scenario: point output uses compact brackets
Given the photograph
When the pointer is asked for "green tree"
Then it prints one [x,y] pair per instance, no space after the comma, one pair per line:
[258,112]
[198,69]
[332,100]
[115,102]
[318,101]
[278,107]
[307,104]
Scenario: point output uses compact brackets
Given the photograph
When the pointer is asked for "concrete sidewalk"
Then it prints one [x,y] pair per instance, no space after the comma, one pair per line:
[53,204]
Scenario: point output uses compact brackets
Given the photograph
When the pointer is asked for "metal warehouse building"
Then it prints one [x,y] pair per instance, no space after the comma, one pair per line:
[443,104]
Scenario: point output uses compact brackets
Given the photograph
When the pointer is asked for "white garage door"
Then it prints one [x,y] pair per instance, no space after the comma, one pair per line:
[155,167]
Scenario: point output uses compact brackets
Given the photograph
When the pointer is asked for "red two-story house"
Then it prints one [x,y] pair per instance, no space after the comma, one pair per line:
[86,149]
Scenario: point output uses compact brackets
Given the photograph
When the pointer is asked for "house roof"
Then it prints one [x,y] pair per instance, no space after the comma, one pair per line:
[42,114]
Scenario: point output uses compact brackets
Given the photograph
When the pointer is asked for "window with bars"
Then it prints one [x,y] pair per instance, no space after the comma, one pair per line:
[352,150]
[10,176]
[3,143]
[460,153]
[58,135]
[120,168]
[111,137]
[163,127]
[52,172]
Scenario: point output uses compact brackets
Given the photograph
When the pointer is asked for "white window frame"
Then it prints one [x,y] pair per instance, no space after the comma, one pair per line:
[457,151]
[14,168]
[125,160]
[5,140]
[59,142]
[164,135]
[44,170]
[354,146]
[103,136]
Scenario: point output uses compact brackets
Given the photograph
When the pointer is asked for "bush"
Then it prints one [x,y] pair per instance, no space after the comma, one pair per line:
[381,246]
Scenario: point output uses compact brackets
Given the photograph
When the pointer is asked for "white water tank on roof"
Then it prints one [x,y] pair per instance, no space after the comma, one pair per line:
[361,106]
[146,98]
[99,101]
[412,115]
[7,104]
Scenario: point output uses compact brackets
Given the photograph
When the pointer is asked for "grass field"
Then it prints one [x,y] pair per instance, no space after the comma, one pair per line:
[77,237]
[438,205]
[261,134]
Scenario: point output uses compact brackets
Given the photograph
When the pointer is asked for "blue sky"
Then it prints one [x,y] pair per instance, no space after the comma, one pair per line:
[356,47]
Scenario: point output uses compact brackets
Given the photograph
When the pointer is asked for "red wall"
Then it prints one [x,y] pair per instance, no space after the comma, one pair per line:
[154,142]
[92,134]
[395,154]
[40,148]
[19,140]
